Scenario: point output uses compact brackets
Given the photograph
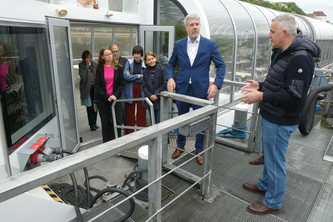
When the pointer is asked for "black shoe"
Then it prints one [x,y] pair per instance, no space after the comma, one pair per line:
[92,128]
[96,126]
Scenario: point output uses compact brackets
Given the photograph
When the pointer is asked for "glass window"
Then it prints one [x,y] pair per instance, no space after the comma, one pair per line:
[125,37]
[170,14]
[246,36]
[93,37]
[81,40]
[25,79]
[222,32]
[102,37]
[65,81]
[263,45]
[304,27]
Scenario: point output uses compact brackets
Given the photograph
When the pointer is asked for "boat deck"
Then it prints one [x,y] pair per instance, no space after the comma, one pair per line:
[308,196]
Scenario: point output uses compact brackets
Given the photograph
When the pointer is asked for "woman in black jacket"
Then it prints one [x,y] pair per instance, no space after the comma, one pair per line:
[109,85]
[154,82]
[87,73]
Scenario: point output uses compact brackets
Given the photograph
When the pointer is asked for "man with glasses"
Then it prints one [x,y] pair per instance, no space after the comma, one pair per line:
[116,54]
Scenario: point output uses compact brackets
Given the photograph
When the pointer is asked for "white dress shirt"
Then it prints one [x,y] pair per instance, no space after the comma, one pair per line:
[192,50]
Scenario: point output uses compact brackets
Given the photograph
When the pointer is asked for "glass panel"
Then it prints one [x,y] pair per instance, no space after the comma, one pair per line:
[246,36]
[102,37]
[304,27]
[171,15]
[157,42]
[81,40]
[130,6]
[25,80]
[268,14]
[134,40]
[161,48]
[222,32]
[263,48]
[123,38]
[65,82]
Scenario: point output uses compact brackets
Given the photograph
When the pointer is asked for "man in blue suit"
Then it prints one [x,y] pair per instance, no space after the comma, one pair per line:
[194,54]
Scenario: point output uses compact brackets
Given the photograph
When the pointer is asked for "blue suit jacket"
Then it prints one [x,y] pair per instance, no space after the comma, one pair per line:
[199,71]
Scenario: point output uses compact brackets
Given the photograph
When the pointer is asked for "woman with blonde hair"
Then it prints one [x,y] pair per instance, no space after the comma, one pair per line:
[109,84]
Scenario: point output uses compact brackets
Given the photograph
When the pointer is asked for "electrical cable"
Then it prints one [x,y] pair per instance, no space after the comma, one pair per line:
[83,197]
[94,177]
[117,190]
[133,175]
[76,194]
[87,186]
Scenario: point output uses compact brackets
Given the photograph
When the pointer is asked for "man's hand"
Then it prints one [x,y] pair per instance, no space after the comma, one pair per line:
[171,85]
[212,90]
[252,96]
[252,85]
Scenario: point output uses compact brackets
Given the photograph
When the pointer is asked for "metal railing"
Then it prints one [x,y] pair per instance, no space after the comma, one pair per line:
[154,135]
[114,119]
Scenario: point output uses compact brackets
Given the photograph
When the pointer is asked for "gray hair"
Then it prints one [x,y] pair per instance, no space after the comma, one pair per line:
[287,22]
[191,16]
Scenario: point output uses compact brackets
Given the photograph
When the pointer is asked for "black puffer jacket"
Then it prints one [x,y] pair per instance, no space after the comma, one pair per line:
[287,83]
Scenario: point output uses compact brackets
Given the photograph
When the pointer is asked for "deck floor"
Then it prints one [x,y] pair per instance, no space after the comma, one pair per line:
[308,197]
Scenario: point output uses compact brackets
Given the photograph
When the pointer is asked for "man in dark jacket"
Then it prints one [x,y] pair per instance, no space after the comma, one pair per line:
[282,96]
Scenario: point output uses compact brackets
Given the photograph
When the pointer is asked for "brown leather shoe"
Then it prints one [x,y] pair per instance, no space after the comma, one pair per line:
[199,158]
[177,152]
[257,161]
[253,188]
[260,208]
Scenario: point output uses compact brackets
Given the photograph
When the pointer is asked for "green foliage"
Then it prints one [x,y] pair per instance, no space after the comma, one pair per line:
[292,7]
[180,32]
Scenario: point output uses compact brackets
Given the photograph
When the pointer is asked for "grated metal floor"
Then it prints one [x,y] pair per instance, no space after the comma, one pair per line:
[308,198]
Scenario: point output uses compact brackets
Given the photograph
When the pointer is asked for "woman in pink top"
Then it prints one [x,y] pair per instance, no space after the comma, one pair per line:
[109,84]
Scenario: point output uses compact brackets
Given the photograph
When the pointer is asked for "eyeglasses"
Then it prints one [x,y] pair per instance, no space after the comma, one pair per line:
[116,51]
[107,54]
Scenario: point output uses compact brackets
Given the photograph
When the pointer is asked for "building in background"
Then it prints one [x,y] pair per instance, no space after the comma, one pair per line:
[319,15]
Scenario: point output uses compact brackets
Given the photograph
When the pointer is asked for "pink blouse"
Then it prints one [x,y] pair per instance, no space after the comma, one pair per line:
[109,78]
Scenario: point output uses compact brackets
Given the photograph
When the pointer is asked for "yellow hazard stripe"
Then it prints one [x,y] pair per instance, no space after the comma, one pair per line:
[51,193]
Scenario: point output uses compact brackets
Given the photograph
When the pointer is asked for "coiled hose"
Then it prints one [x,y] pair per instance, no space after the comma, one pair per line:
[235,132]
[117,190]
[82,198]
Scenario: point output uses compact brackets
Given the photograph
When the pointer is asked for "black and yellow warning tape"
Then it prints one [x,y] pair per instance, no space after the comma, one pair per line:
[51,193]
